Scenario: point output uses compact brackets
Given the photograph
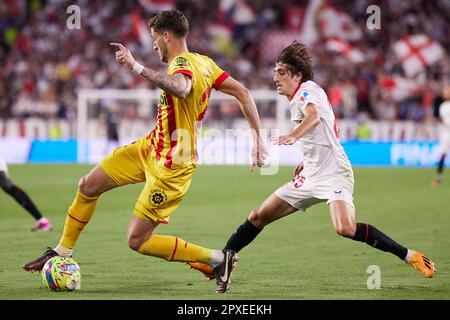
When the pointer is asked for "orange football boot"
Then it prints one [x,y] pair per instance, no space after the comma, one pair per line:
[423,264]
[203,268]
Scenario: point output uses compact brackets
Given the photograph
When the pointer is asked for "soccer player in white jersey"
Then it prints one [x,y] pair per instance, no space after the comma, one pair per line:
[444,134]
[42,223]
[325,173]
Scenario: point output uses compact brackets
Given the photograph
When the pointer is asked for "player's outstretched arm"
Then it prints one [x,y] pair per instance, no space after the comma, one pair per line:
[178,85]
[310,121]
[234,88]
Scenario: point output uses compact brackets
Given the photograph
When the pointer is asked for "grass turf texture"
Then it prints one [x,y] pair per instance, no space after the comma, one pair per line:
[298,257]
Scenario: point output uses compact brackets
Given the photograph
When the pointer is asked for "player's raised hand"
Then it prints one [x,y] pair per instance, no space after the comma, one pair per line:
[286,139]
[123,55]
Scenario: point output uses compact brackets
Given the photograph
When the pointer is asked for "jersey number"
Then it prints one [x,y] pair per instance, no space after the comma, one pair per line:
[298,181]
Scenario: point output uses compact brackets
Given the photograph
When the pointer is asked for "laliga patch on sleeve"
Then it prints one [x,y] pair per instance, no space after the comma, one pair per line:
[181,62]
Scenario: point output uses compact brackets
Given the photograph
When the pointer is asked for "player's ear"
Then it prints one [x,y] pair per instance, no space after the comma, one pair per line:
[298,77]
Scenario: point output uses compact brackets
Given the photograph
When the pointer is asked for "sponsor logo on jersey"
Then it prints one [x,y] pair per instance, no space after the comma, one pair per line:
[303,96]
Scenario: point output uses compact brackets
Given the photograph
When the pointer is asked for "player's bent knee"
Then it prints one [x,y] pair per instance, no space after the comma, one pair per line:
[5,183]
[256,219]
[345,231]
[8,187]
[87,188]
[134,243]
[4,186]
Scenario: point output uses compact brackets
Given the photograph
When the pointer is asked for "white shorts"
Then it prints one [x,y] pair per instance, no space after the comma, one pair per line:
[3,166]
[303,192]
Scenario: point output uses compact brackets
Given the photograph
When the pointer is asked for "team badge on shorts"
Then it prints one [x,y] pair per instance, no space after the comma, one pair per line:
[157,197]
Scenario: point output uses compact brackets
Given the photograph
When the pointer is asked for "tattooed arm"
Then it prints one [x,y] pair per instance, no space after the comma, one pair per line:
[178,85]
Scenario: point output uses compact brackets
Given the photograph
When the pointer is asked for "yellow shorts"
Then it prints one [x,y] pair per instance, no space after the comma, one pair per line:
[164,188]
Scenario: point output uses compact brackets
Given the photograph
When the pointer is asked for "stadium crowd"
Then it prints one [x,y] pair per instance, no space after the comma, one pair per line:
[45,63]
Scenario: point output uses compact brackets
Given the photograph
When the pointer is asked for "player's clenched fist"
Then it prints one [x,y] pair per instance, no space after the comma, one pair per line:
[123,55]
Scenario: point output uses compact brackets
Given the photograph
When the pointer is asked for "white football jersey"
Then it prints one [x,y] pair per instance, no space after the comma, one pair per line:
[444,132]
[323,154]
[444,113]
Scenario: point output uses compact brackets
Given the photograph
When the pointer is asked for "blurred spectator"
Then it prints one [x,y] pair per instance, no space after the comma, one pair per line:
[111,119]
[44,64]
[363,132]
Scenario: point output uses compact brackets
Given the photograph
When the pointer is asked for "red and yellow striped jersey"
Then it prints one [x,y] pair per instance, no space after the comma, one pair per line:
[173,141]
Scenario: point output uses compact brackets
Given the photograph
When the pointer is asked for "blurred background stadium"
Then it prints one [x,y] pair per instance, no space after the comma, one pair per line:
[64,100]
[383,77]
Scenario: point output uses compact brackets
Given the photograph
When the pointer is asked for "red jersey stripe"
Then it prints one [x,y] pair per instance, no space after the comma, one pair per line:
[199,119]
[160,145]
[174,249]
[172,127]
[151,137]
[80,221]
[202,114]
[220,79]
[296,89]
[184,71]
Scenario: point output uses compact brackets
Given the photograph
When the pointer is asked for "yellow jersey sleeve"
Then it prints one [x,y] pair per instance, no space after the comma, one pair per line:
[188,65]
[218,75]
[181,65]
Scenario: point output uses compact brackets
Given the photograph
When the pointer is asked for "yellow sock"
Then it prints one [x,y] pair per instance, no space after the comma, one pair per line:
[79,214]
[174,249]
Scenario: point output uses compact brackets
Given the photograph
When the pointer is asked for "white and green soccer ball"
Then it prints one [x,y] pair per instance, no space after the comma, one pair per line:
[61,274]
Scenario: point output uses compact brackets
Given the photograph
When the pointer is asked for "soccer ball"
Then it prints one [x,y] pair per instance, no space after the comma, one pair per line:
[61,274]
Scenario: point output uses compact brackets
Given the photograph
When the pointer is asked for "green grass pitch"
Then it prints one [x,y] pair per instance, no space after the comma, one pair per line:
[298,257]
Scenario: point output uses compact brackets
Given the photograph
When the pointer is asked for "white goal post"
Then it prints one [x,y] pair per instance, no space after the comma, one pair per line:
[90,139]
[150,98]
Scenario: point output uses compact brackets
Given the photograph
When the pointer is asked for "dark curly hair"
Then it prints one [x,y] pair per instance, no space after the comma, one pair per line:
[170,20]
[297,58]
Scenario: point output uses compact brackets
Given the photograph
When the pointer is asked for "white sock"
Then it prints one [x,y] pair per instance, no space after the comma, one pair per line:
[63,251]
[409,256]
[43,219]
[217,257]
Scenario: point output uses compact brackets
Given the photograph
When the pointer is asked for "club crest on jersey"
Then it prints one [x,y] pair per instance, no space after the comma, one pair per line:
[303,96]
[157,197]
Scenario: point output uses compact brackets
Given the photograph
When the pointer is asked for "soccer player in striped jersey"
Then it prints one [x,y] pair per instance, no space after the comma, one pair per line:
[324,175]
[164,159]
